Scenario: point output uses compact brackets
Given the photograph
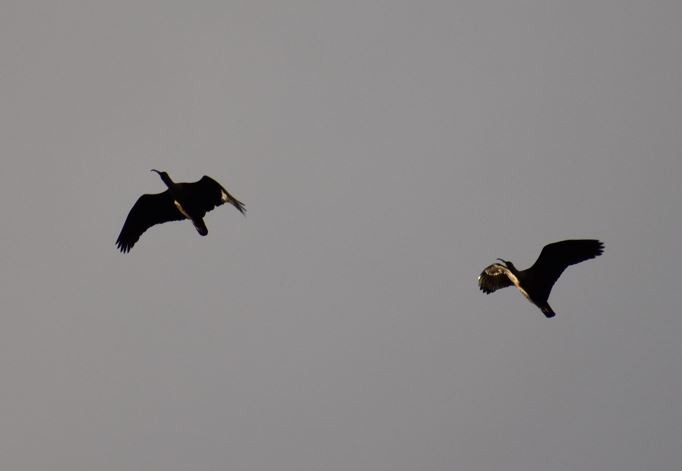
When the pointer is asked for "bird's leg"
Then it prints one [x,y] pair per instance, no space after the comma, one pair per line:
[181,209]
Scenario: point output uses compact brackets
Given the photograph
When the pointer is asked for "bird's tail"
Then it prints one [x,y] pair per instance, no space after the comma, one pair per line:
[547,311]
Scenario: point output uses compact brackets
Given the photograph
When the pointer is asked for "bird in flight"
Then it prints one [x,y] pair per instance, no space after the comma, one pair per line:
[536,282]
[180,201]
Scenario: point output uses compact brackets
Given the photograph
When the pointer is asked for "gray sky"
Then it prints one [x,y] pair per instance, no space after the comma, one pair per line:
[386,152]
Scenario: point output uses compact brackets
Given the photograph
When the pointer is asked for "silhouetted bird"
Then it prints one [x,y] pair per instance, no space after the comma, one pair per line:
[536,282]
[179,201]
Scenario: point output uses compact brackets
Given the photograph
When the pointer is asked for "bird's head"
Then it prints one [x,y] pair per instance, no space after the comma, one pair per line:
[507,263]
[164,176]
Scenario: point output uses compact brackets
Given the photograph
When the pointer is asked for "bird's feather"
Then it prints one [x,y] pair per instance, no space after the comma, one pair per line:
[494,277]
[556,257]
[205,194]
[148,210]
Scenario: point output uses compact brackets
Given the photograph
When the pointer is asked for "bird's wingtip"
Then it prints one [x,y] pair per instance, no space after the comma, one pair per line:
[240,207]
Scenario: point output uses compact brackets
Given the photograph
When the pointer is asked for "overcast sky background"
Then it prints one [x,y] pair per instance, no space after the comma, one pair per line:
[386,152]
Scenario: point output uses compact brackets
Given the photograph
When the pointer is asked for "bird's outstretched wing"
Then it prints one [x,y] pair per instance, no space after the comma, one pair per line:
[556,257]
[204,195]
[147,211]
[494,277]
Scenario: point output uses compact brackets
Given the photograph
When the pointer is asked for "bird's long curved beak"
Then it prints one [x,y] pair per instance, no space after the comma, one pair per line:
[154,170]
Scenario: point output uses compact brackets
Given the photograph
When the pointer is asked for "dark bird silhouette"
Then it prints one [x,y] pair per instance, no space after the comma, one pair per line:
[180,201]
[536,282]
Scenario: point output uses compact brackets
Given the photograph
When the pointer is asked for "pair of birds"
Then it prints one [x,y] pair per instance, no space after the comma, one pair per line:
[193,200]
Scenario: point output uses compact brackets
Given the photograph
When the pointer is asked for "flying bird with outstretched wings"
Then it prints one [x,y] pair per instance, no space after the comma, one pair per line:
[180,201]
[536,282]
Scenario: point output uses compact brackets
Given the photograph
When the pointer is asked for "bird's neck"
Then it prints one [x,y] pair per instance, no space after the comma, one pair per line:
[167,180]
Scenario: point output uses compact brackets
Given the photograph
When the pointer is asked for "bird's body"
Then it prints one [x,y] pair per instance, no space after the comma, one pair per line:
[180,201]
[536,282]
